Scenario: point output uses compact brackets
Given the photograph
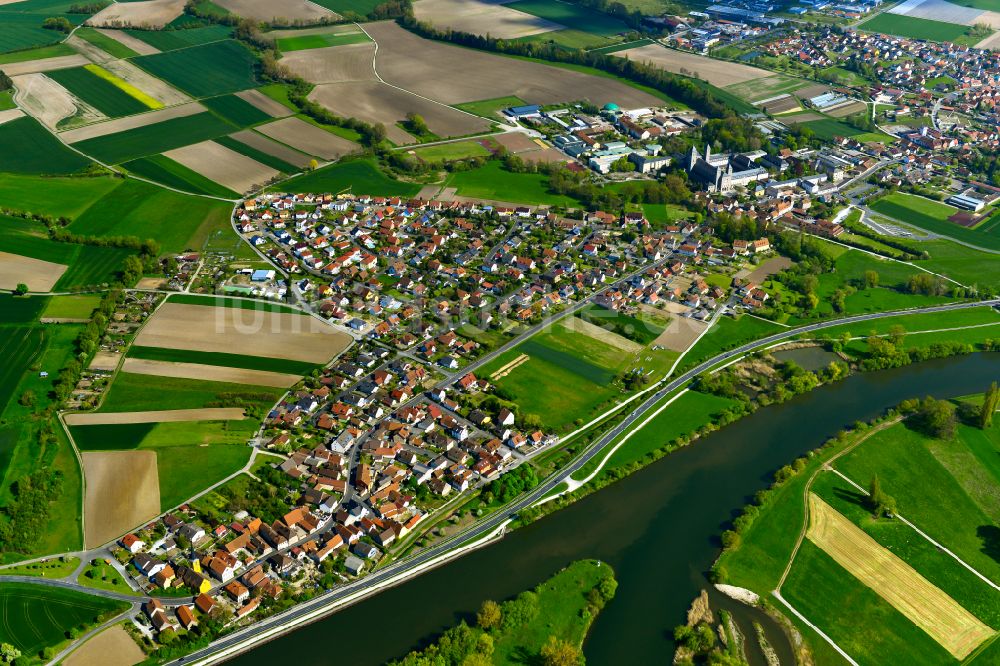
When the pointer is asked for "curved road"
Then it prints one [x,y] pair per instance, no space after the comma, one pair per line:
[294,616]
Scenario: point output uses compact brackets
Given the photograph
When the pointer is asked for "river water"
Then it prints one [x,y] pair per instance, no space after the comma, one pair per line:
[658,528]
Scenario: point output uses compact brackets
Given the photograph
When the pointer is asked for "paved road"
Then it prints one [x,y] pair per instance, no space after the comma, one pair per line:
[486,526]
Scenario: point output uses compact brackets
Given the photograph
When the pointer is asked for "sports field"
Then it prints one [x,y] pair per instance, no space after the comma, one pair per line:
[35,617]
[207,70]
[932,216]
[495,183]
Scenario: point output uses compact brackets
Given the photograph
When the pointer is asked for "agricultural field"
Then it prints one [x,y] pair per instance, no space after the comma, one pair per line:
[230,360]
[452,75]
[265,151]
[176,221]
[71,307]
[206,70]
[350,7]
[828,128]
[114,641]
[318,41]
[914,28]
[171,40]
[36,617]
[282,10]
[30,149]
[204,328]
[482,17]
[106,43]
[933,216]
[490,108]
[136,393]
[236,110]
[99,92]
[716,72]
[576,17]
[232,170]
[307,138]
[945,488]
[151,139]
[190,455]
[21,346]
[43,264]
[19,31]
[122,492]
[151,13]
[362,176]
[163,169]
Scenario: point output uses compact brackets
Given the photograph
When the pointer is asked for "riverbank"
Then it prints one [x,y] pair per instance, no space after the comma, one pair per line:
[658,529]
[553,619]
[940,483]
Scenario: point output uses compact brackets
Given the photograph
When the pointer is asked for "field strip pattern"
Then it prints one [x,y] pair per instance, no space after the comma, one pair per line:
[124,86]
[131,122]
[940,616]
[164,416]
[209,372]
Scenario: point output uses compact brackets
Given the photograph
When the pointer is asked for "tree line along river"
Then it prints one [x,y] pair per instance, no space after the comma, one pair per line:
[659,528]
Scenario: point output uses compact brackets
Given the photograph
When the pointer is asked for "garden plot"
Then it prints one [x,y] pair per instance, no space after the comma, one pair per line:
[112,647]
[164,416]
[265,103]
[50,103]
[122,491]
[125,39]
[224,166]
[454,75]
[37,274]
[377,102]
[333,64]
[266,10]
[717,72]
[680,333]
[247,332]
[132,122]
[300,135]
[481,17]
[145,14]
[952,626]
[210,373]
[272,148]
[44,65]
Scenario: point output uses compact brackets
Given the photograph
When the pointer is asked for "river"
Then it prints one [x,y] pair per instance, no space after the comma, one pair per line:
[658,528]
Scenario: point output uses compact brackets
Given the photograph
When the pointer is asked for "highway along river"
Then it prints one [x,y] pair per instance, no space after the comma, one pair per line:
[658,528]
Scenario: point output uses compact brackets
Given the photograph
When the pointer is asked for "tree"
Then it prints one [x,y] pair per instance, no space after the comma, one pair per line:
[879,502]
[21,289]
[28,398]
[558,652]
[8,653]
[416,124]
[313,164]
[60,23]
[936,418]
[489,615]
[871,279]
[990,403]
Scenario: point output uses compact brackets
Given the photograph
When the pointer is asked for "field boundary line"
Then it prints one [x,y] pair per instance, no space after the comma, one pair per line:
[927,537]
[409,92]
[796,613]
